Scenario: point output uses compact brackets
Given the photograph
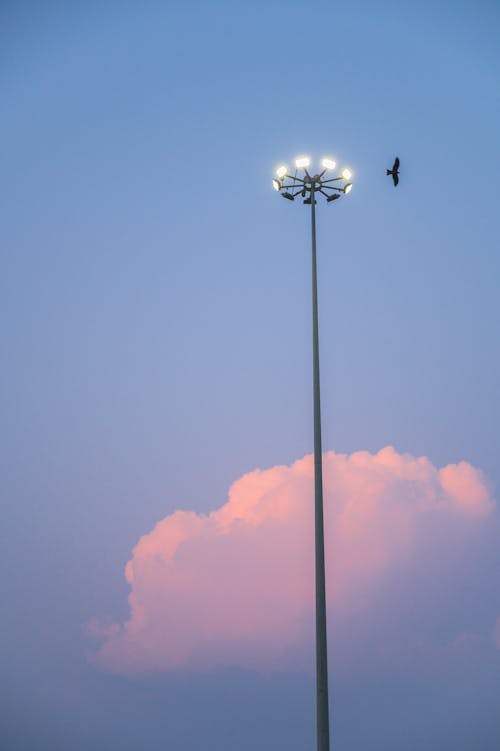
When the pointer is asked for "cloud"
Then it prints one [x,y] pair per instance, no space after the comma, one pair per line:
[235,587]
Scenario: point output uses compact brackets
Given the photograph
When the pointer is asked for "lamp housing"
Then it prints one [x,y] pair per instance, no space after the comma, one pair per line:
[302,162]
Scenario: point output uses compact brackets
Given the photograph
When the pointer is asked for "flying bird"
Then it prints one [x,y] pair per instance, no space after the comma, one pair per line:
[394,171]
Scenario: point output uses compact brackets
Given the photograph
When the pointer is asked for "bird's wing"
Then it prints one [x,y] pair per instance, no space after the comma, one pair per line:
[396,163]
[395,178]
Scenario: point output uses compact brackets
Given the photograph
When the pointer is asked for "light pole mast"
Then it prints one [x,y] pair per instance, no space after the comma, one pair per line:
[309,186]
[322,713]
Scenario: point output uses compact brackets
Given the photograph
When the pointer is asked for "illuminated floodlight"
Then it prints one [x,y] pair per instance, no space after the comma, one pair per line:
[302,162]
[294,181]
[328,163]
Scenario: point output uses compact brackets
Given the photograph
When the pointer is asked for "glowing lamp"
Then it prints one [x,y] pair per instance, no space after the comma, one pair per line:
[302,161]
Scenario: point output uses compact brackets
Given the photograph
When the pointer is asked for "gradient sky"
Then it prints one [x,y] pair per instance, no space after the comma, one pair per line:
[155,334]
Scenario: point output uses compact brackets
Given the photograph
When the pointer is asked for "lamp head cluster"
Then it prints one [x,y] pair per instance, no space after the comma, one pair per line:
[303,183]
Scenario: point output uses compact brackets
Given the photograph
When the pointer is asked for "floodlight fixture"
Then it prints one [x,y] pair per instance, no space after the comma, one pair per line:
[305,183]
[302,162]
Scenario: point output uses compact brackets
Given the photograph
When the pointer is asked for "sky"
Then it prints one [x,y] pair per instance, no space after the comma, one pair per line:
[156,404]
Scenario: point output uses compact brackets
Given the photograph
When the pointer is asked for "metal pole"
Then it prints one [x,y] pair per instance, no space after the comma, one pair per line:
[322,714]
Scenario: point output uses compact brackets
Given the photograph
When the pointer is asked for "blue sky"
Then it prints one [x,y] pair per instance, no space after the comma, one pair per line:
[155,292]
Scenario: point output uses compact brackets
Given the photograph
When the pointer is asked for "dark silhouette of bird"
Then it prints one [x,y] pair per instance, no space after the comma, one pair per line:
[394,171]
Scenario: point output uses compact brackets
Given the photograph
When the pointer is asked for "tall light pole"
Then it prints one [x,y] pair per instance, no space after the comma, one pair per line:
[303,184]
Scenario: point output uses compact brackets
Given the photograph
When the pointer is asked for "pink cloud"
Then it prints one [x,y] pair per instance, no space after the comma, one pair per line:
[235,587]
